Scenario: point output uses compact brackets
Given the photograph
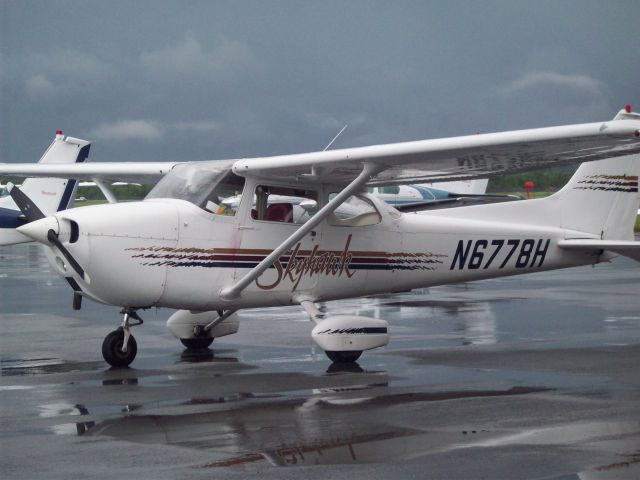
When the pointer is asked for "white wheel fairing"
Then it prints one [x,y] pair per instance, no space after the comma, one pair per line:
[348,333]
[181,324]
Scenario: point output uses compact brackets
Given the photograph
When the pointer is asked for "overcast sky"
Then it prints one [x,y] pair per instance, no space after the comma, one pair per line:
[178,80]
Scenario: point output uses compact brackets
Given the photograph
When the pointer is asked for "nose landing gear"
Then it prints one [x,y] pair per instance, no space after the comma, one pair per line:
[119,348]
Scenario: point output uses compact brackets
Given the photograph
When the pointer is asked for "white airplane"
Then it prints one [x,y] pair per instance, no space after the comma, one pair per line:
[184,248]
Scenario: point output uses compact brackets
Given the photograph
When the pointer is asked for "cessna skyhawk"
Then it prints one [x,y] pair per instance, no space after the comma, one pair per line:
[215,237]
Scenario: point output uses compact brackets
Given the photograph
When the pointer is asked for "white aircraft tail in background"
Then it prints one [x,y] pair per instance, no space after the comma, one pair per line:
[49,194]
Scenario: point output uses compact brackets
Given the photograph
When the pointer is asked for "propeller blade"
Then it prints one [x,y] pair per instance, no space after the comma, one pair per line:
[77,301]
[36,230]
[53,238]
[28,208]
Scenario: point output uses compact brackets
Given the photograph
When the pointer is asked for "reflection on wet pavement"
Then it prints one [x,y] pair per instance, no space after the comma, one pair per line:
[205,355]
[532,378]
[43,366]
[318,430]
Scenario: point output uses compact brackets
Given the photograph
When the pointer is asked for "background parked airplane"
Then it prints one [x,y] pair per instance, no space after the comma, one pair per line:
[48,194]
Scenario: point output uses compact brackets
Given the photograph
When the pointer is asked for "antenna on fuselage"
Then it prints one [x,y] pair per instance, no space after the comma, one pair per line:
[335,138]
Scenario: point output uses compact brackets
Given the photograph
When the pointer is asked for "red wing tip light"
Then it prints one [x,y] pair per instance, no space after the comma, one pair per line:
[59,135]
[627,108]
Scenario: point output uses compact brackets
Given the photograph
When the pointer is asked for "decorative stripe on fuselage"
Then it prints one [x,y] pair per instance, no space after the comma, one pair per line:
[294,264]
[210,258]
[609,183]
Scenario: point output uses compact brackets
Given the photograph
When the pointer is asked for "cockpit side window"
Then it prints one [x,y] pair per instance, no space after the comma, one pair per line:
[225,197]
[210,185]
[283,204]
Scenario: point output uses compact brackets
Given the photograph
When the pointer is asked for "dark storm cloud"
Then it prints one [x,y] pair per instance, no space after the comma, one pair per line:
[197,80]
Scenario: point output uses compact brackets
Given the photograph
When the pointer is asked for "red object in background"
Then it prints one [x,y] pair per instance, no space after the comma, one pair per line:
[528,186]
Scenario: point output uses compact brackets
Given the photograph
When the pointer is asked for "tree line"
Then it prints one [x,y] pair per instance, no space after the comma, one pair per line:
[544,181]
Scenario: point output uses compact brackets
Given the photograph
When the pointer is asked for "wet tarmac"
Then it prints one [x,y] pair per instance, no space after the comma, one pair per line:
[526,377]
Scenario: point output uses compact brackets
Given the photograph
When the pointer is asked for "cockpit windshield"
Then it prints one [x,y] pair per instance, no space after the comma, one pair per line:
[205,184]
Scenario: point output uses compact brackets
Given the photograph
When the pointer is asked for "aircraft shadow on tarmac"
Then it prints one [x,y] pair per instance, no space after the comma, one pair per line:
[201,355]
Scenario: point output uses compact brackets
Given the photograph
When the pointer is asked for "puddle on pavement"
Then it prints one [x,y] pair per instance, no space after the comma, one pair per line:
[207,355]
[43,366]
[621,439]
[303,431]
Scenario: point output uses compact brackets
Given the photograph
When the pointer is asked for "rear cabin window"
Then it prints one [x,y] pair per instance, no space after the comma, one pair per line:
[284,204]
[356,211]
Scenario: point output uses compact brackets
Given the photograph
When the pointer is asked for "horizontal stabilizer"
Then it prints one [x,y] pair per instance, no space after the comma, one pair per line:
[629,249]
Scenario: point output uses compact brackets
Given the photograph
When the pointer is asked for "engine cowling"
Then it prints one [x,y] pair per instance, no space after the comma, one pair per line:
[181,324]
[344,333]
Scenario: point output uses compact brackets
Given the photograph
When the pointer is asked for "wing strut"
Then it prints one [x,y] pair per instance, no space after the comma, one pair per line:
[234,291]
[106,191]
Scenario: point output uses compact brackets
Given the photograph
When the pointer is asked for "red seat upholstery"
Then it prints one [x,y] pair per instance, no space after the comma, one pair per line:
[279,212]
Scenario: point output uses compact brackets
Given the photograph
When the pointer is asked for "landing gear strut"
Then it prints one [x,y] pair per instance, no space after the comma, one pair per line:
[119,348]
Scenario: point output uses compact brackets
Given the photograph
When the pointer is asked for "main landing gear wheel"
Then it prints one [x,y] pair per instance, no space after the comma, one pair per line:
[197,343]
[112,349]
[343,357]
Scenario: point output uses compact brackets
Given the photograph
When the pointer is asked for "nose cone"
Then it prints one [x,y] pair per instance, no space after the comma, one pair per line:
[112,243]
[39,229]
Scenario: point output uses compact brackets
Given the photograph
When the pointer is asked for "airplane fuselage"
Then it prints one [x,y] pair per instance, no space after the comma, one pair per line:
[170,253]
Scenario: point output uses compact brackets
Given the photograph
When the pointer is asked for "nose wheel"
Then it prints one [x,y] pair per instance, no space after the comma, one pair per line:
[112,347]
[119,348]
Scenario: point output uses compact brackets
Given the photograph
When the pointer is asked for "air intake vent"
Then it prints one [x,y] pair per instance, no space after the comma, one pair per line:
[75,232]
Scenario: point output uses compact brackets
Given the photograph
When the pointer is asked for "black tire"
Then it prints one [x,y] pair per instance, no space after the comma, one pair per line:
[112,349]
[343,357]
[197,343]
[352,367]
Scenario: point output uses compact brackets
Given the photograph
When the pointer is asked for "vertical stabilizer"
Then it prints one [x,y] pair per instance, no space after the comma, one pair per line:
[601,198]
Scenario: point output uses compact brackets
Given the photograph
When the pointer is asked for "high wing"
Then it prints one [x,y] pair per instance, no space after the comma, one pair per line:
[446,159]
[457,158]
